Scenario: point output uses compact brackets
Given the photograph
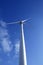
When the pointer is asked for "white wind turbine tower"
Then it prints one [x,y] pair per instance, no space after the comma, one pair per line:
[22,56]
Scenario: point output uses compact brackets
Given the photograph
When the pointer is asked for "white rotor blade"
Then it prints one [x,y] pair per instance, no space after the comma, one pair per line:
[26,20]
[14,22]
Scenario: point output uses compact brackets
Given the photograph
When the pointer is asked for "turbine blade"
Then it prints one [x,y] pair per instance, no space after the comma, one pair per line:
[27,20]
[24,20]
[14,22]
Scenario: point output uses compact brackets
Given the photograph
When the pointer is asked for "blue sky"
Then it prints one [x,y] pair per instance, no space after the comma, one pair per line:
[15,10]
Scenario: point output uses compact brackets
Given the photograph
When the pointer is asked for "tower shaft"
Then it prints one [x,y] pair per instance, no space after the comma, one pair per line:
[22,58]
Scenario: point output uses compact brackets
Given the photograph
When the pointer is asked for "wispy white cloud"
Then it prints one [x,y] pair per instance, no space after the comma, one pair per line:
[3,24]
[5,41]
[17,47]
[6,46]
[4,38]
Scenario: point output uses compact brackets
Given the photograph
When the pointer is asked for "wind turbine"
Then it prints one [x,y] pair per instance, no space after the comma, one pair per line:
[22,56]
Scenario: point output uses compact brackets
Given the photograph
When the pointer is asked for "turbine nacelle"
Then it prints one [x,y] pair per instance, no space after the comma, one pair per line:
[23,21]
